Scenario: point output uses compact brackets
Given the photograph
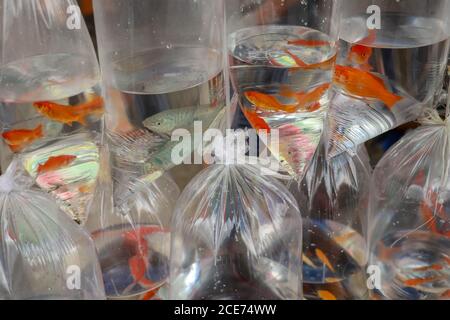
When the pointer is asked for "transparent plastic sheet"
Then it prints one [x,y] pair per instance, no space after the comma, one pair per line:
[44,254]
[409,219]
[132,240]
[387,73]
[236,234]
[51,109]
[333,199]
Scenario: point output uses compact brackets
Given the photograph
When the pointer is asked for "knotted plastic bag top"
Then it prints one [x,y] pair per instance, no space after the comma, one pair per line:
[236,234]
[44,254]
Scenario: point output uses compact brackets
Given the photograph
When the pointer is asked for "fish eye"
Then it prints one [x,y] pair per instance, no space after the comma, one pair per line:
[159,123]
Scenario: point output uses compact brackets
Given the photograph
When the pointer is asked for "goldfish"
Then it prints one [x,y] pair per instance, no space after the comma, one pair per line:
[55,163]
[446,294]
[345,237]
[418,282]
[298,61]
[309,43]
[322,257]
[256,121]
[150,295]
[308,261]
[326,295]
[435,267]
[332,280]
[17,140]
[361,53]
[138,263]
[364,84]
[167,121]
[71,114]
[308,100]
[429,216]
[268,102]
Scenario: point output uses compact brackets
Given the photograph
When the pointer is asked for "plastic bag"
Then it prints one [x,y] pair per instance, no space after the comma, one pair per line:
[410,221]
[333,199]
[43,253]
[51,109]
[133,239]
[236,234]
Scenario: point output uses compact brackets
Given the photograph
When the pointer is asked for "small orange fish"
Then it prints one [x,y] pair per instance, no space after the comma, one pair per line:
[361,53]
[418,282]
[55,163]
[70,114]
[322,257]
[150,295]
[435,267]
[326,295]
[85,189]
[256,121]
[429,216]
[364,84]
[343,238]
[297,60]
[446,294]
[309,43]
[268,102]
[17,140]
[308,101]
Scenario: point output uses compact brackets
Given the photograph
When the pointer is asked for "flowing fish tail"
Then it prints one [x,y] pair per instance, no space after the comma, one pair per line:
[391,100]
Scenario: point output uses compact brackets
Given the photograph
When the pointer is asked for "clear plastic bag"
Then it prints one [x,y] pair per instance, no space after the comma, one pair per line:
[390,67]
[51,110]
[410,221]
[236,234]
[43,253]
[133,239]
[333,199]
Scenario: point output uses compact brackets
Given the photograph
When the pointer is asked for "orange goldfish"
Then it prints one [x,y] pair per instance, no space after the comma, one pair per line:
[308,43]
[307,100]
[268,102]
[429,216]
[19,139]
[326,295]
[55,163]
[322,257]
[418,282]
[343,238]
[364,84]
[297,60]
[150,295]
[67,114]
[256,121]
[139,262]
[435,267]
[446,294]
[361,53]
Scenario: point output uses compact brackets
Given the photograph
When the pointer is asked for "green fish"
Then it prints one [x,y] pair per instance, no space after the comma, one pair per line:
[166,122]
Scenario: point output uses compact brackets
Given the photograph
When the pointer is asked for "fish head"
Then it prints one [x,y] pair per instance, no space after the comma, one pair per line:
[161,124]
[42,107]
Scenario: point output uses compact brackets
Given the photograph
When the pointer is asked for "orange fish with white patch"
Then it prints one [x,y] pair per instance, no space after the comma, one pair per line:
[268,102]
[71,114]
[361,53]
[17,140]
[55,163]
[326,295]
[322,257]
[256,121]
[364,84]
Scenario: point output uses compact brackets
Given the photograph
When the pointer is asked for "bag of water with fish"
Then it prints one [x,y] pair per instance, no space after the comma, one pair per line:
[236,235]
[410,219]
[386,76]
[50,105]
[133,238]
[333,199]
[43,253]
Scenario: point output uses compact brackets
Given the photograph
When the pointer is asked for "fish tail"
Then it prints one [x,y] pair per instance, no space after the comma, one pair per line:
[391,99]
[39,131]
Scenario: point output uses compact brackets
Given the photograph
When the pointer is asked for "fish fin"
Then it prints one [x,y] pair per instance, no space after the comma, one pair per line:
[15,148]
[39,131]
[391,100]
[82,120]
